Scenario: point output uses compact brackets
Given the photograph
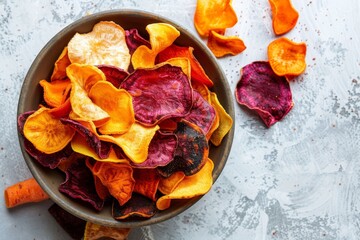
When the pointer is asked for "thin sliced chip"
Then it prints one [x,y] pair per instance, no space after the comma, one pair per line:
[168,125]
[73,225]
[61,111]
[161,151]
[197,72]
[214,15]
[260,89]
[79,185]
[55,92]
[137,207]
[225,121]
[182,62]
[191,153]
[190,187]
[161,36]
[135,142]
[145,85]
[60,66]
[95,231]
[83,77]
[47,133]
[101,190]
[135,40]
[117,177]
[202,113]
[105,44]
[113,74]
[202,89]
[224,45]
[287,58]
[146,182]
[117,103]
[167,185]
[284,16]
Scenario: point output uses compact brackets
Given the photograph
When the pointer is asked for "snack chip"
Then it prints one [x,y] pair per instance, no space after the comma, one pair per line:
[95,231]
[191,186]
[167,185]
[146,182]
[287,58]
[105,44]
[135,40]
[214,15]
[223,45]
[55,92]
[260,89]
[284,16]
[150,107]
[60,66]
[113,74]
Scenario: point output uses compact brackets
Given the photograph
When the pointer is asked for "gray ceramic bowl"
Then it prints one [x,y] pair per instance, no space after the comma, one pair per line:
[42,67]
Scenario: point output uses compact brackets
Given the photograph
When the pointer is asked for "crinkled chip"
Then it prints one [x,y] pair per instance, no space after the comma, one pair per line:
[55,92]
[202,113]
[161,36]
[113,74]
[95,231]
[284,16]
[79,185]
[60,66]
[46,133]
[224,45]
[225,121]
[260,89]
[73,225]
[135,40]
[214,15]
[191,186]
[202,89]
[105,44]
[161,150]
[117,177]
[287,58]
[101,190]
[167,185]
[145,85]
[117,103]
[191,153]
[197,72]
[146,182]
[83,77]
[138,206]
[63,110]
[100,148]
[182,62]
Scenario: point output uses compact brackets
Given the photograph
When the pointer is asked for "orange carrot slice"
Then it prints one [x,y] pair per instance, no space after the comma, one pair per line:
[284,16]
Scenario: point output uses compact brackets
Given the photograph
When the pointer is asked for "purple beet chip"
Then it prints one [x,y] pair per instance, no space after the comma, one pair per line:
[73,225]
[101,148]
[161,151]
[134,40]
[159,93]
[113,74]
[79,184]
[202,113]
[260,89]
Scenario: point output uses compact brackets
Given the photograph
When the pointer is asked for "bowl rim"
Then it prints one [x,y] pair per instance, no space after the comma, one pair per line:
[25,85]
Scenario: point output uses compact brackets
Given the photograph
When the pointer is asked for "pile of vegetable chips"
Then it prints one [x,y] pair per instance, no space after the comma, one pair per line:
[127,120]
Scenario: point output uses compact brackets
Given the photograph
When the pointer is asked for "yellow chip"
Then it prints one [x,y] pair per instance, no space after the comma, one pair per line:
[105,44]
[182,62]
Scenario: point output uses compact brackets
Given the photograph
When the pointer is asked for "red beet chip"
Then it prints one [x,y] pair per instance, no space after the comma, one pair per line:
[113,74]
[260,89]
[134,40]
[159,93]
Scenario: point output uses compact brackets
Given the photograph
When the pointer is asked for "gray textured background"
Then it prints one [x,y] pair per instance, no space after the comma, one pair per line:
[300,179]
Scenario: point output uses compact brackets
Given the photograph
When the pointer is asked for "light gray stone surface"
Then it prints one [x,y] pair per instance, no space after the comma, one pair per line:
[300,179]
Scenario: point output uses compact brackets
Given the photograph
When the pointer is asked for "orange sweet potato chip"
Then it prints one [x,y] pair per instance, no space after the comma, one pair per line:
[225,121]
[61,111]
[101,190]
[47,133]
[287,58]
[55,92]
[117,177]
[191,186]
[214,15]
[60,66]
[146,182]
[117,103]
[167,185]
[95,231]
[161,35]
[197,72]
[105,44]
[284,16]
[83,77]
[223,45]
[182,62]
